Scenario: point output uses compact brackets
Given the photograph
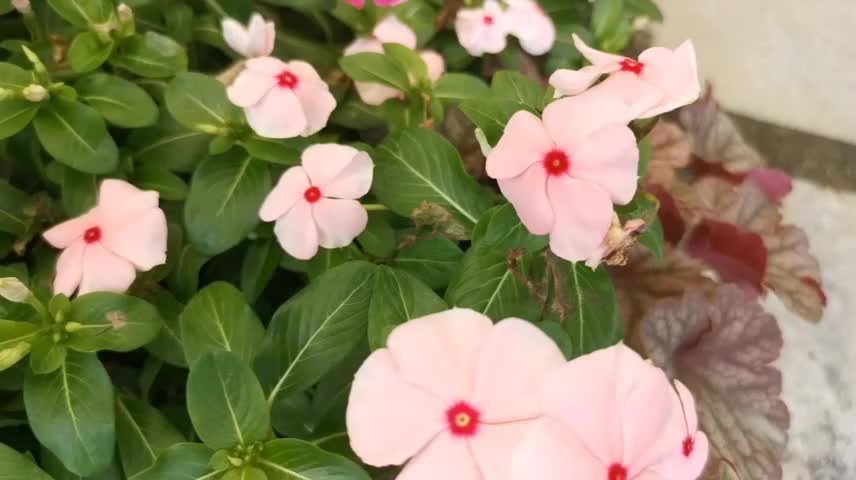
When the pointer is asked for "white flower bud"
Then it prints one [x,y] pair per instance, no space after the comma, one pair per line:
[35,93]
[11,356]
[125,13]
[14,290]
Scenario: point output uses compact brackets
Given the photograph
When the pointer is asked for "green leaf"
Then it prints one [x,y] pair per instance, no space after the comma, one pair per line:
[460,86]
[88,52]
[432,260]
[260,264]
[16,339]
[169,185]
[501,229]
[15,115]
[593,320]
[14,77]
[71,413]
[168,345]
[142,433]
[313,332]
[57,470]
[223,203]
[47,356]
[169,145]
[13,202]
[151,55]
[409,61]
[247,472]
[418,166]
[644,8]
[644,157]
[378,239]
[490,115]
[654,239]
[184,279]
[184,461]
[218,318]
[79,191]
[197,100]
[16,466]
[375,68]
[76,135]
[397,298]
[290,459]
[112,321]
[121,102]
[281,152]
[83,13]
[518,88]
[226,402]
[606,17]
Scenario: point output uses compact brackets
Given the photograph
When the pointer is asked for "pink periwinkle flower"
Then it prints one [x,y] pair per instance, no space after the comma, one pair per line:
[563,174]
[452,396]
[661,80]
[22,6]
[282,100]
[316,203]
[379,3]
[531,25]
[104,248]
[254,40]
[610,415]
[391,30]
[484,29]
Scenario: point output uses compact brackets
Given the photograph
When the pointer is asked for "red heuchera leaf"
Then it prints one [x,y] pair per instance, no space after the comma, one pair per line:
[670,150]
[722,350]
[793,273]
[738,256]
[670,216]
[744,205]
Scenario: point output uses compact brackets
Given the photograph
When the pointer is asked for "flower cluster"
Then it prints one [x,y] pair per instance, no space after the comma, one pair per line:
[455,396]
[485,29]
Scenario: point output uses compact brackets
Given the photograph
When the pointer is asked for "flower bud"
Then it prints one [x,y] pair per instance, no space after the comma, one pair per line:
[22,6]
[125,13]
[11,356]
[35,93]
[72,327]
[14,290]
[38,66]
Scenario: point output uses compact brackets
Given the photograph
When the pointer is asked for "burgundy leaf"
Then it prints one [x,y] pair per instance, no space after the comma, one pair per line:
[738,257]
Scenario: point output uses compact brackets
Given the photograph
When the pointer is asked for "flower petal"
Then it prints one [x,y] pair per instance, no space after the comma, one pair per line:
[569,121]
[266,65]
[596,57]
[258,36]
[393,30]
[375,94]
[142,241]
[290,188]
[528,194]
[363,45]
[339,171]
[297,233]
[446,457]
[525,141]
[69,269]
[583,215]
[684,425]
[479,36]
[388,419]
[531,26]
[675,73]
[339,221]
[236,36]
[67,232]
[439,352]
[549,451]
[119,202]
[104,271]
[317,103]
[278,114]
[574,82]
[494,445]
[641,97]
[435,64]
[609,158]
[250,87]
[513,362]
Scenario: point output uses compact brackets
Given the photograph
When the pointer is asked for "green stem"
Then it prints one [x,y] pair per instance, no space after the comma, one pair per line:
[375,207]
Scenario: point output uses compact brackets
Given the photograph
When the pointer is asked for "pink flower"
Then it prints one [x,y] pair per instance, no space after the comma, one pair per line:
[531,25]
[282,100]
[315,204]
[692,445]
[608,416]
[660,81]
[564,173]
[452,393]
[22,6]
[483,30]
[254,40]
[104,247]
[379,3]
[391,30]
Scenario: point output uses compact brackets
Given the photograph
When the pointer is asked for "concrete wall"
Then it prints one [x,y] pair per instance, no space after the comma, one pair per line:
[787,62]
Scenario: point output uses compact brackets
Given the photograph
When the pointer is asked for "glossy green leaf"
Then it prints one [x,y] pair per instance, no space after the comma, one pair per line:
[169,185]
[375,68]
[490,115]
[593,320]
[76,135]
[398,297]
[79,191]
[151,55]
[282,152]
[15,114]
[57,470]
[13,202]
[260,264]
[88,52]
[183,461]
[410,62]
[71,413]
[218,318]
[112,321]
[606,16]
[226,401]
[14,77]
[247,472]
[654,239]
[518,88]
[168,346]
[644,8]
[16,466]
[432,260]
[316,330]
[224,200]
[169,145]
[47,356]
[142,433]
[16,339]
[121,102]
[290,459]
[198,100]
[83,13]
[460,86]
[378,239]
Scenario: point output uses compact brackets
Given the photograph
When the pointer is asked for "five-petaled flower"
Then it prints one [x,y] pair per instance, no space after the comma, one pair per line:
[391,30]
[564,173]
[610,415]
[452,393]
[531,25]
[103,248]
[282,100]
[661,80]
[254,40]
[484,29]
[315,203]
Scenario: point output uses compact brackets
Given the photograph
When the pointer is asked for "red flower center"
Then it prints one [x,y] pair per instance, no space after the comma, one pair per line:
[616,472]
[488,20]
[287,79]
[630,65]
[92,235]
[463,419]
[556,162]
[312,194]
[688,446]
